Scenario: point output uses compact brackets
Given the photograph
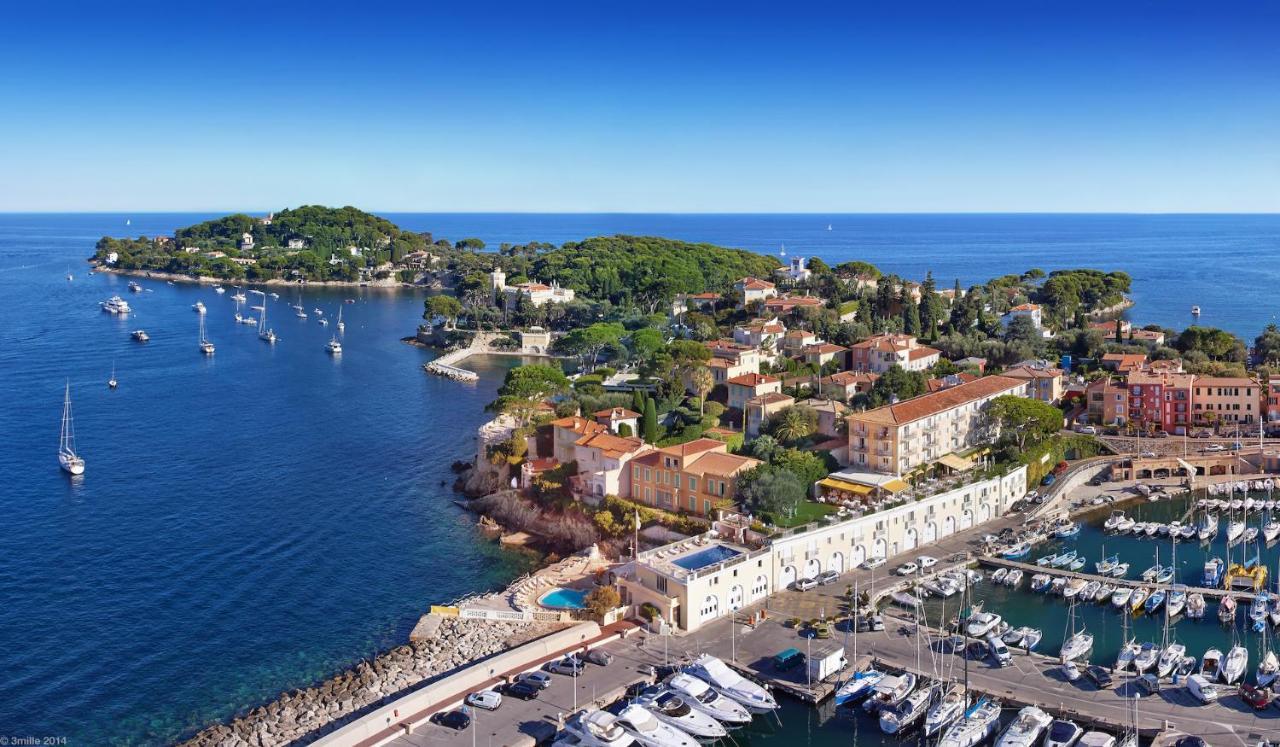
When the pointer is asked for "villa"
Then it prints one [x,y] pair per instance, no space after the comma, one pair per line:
[879,353]
[744,387]
[750,290]
[694,476]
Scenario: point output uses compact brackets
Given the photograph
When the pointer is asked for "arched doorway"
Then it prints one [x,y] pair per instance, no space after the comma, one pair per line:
[930,532]
[788,576]
[710,607]
[881,549]
[909,540]
[984,512]
[735,598]
[836,563]
[760,588]
[966,519]
[859,555]
[812,568]
[948,526]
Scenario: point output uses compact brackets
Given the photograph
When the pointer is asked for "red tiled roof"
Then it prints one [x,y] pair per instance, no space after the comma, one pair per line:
[1025,307]
[752,380]
[933,403]
[750,283]
[922,352]
[611,445]
[617,412]
[1027,372]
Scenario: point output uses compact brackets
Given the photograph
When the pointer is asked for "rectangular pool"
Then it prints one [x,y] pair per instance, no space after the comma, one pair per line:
[703,558]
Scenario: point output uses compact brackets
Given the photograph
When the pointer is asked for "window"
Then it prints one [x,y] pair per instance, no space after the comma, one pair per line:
[693,483]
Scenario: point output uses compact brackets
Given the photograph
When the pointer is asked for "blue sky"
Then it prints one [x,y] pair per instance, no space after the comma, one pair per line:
[1026,105]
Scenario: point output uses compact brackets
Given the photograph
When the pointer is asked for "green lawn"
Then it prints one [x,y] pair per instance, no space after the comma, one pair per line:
[807,512]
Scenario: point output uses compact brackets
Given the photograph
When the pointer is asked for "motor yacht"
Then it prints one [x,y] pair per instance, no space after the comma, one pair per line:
[140,335]
[901,717]
[1062,733]
[890,691]
[981,623]
[1195,606]
[731,684]
[1211,665]
[1013,578]
[115,305]
[333,347]
[978,723]
[703,697]
[1170,659]
[648,731]
[1234,666]
[1211,576]
[671,708]
[598,729]
[1148,656]
[1025,729]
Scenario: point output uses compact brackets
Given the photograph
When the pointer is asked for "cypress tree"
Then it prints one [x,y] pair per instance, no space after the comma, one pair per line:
[637,401]
[650,421]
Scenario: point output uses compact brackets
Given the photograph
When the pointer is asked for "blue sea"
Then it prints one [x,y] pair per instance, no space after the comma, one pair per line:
[258,520]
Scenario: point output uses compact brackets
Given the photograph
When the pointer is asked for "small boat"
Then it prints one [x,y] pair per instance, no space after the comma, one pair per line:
[901,717]
[1062,733]
[1064,560]
[1268,669]
[1187,533]
[1048,560]
[1020,550]
[115,305]
[198,307]
[1104,593]
[1211,577]
[1097,739]
[1211,665]
[1120,571]
[1153,528]
[1139,597]
[1128,653]
[1250,535]
[1074,587]
[140,335]
[1227,609]
[1107,565]
[1175,600]
[134,287]
[111,382]
[70,462]
[333,347]
[998,576]
[1165,575]
[1040,581]
[1114,521]
[1154,600]
[1125,525]
[219,289]
[1195,311]
[1234,666]
[859,686]
[1170,659]
[1274,613]
[1077,564]
[944,712]
[1150,574]
[1235,531]
[1090,591]
[1122,596]
[1195,606]
[323,322]
[1014,578]
[273,294]
[890,691]
[1032,639]
[1014,635]
[238,296]
[981,623]
[1270,531]
[317,312]
[1067,531]
[1148,655]
[1058,584]
[300,314]
[978,723]
[1025,729]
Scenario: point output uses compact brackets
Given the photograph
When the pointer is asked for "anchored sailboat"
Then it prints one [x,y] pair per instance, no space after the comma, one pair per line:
[206,347]
[67,457]
[265,333]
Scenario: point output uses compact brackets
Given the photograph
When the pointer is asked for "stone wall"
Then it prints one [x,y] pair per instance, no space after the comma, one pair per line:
[302,716]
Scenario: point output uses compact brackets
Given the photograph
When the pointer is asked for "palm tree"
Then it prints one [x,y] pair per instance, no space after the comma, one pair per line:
[794,424]
[702,381]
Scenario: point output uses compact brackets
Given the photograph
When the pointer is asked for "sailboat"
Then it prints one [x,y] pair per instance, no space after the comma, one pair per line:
[206,347]
[265,333]
[1269,667]
[1172,654]
[67,457]
[111,382]
[341,326]
[828,226]
[1234,665]
[1129,650]
[333,346]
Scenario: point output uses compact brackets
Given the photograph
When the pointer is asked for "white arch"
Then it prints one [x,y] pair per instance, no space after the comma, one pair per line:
[966,519]
[812,568]
[984,512]
[735,597]
[930,532]
[859,555]
[909,539]
[881,549]
[760,588]
[710,607]
[836,563]
[948,526]
[788,576]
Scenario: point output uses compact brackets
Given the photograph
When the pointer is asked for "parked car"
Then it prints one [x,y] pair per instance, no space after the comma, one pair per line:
[456,720]
[1032,496]
[873,562]
[1088,430]
[828,577]
[822,630]
[907,569]
[788,659]
[1257,697]
[522,689]
[568,665]
[1048,480]
[539,680]
[805,584]
[598,656]
[1160,434]
[489,700]
[1215,447]
[1098,675]
[927,561]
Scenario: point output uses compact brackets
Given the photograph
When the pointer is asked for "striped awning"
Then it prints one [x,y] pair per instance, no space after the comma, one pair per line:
[848,487]
[956,462]
[895,486]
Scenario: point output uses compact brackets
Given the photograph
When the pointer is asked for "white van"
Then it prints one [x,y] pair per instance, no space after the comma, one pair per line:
[1200,687]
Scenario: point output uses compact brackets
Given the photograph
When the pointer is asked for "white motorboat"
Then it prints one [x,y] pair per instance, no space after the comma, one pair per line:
[333,347]
[1268,669]
[1077,646]
[979,722]
[1041,581]
[1120,571]
[1090,591]
[859,686]
[703,697]
[1170,658]
[891,691]
[219,289]
[944,713]
[731,684]
[648,731]
[134,287]
[672,709]
[70,462]
[1104,593]
[199,308]
[1032,639]
[1270,531]
[1097,739]
[1211,664]
[1235,530]
[598,729]
[1074,587]
[1234,666]
[1148,656]
[1128,652]
[1113,521]
[1120,598]
[1025,729]
[1176,600]
[1195,606]
[1125,525]
[998,576]
[1062,733]
[981,623]
[901,717]
[115,305]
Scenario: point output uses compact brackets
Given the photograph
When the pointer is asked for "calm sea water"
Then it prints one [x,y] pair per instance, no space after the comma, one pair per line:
[257,521]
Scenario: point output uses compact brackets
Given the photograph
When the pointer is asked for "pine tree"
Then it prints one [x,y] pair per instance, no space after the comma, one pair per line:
[650,423]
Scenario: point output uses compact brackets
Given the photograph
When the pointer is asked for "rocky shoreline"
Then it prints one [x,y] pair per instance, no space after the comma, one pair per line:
[276,282]
[300,717]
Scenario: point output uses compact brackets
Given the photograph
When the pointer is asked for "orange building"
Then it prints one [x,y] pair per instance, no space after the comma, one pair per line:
[692,477]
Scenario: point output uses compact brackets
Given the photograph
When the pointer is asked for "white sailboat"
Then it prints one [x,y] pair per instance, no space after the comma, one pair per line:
[1079,642]
[1025,730]
[206,347]
[333,346]
[265,333]
[341,326]
[111,382]
[67,457]
[1235,664]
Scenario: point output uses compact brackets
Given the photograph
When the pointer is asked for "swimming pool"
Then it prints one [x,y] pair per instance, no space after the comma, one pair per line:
[703,558]
[564,599]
